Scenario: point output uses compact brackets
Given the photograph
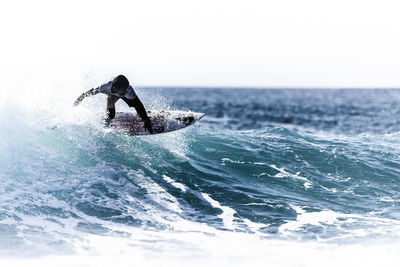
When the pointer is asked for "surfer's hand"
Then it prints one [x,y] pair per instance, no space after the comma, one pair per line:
[147,125]
[78,101]
[107,122]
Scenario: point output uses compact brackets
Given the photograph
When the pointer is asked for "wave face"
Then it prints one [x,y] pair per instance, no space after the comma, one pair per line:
[263,166]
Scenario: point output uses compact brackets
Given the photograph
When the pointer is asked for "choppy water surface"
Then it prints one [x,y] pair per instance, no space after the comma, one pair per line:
[313,173]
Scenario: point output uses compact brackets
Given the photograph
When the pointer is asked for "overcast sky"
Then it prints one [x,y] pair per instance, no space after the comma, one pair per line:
[285,43]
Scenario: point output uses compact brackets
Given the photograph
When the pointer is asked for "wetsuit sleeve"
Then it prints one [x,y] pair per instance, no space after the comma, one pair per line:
[110,114]
[86,94]
[138,105]
[105,88]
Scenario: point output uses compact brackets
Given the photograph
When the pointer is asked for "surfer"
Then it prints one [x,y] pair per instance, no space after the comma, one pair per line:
[116,89]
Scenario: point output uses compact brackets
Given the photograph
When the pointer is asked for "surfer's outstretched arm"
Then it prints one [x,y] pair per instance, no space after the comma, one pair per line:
[86,94]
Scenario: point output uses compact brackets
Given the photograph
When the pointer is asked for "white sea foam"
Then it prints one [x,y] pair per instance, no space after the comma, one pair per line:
[229,219]
[373,225]
[221,249]
[224,160]
[283,173]
[176,184]
[228,213]
[157,193]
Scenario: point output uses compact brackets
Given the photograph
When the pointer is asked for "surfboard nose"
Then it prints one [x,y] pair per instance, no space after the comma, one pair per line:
[197,115]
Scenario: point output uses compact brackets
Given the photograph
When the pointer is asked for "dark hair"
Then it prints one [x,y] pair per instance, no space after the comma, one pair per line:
[120,82]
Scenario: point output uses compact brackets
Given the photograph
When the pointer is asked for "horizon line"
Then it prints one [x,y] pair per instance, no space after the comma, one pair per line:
[262,87]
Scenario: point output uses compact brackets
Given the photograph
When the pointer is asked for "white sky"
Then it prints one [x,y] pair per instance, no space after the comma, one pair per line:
[282,43]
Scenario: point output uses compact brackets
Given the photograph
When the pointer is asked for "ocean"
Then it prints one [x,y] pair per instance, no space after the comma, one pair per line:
[282,177]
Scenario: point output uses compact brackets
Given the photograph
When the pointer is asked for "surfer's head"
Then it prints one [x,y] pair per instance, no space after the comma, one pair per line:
[119,84]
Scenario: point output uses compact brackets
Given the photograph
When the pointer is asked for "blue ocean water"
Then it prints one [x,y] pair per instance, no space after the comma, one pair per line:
[306,166]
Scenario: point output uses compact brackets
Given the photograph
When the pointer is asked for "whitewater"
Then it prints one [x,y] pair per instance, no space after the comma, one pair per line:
[289,177]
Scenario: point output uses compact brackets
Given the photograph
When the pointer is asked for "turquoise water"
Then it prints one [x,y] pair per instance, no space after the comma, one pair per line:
[319,166]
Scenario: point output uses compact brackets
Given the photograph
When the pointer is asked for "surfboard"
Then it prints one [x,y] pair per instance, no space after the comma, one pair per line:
[163,121]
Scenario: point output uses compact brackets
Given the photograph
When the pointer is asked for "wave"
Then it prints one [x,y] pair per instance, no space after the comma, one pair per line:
[64,175]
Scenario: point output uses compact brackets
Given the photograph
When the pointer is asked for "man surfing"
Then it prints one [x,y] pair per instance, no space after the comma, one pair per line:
[116,89]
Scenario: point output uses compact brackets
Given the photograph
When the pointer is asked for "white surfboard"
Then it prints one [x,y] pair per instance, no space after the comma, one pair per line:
[163,121]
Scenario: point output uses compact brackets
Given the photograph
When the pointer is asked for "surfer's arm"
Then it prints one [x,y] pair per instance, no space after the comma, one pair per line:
[86,94]
[111,100]
[138,105]
[141,111]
